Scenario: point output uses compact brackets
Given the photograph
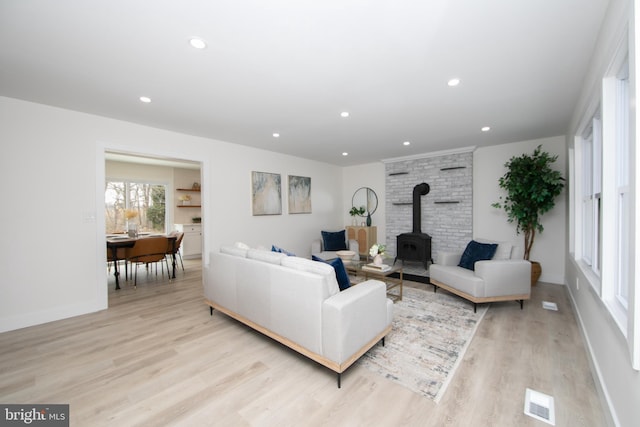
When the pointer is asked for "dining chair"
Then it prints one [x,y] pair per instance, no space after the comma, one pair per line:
[173,249]
[146,251]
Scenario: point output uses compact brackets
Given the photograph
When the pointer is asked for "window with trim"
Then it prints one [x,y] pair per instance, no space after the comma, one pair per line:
[142,203]
[591,184]
[603,175]
[616,94]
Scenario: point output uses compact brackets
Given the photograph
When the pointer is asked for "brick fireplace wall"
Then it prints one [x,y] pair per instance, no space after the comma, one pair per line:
[447,209]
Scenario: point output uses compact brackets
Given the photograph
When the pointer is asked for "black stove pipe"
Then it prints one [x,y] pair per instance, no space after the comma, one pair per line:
[418,191]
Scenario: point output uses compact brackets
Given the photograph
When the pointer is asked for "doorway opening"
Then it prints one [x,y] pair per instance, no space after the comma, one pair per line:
[148,190]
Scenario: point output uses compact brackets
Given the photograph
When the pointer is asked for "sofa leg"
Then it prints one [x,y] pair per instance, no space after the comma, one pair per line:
[521,304]
[339,376]
[475,306]
[211,311]
[383,341]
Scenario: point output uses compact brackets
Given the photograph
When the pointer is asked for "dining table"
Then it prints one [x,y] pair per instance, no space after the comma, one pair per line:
[118,241]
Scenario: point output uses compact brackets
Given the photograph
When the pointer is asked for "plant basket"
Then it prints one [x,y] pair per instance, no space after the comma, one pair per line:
[536,271]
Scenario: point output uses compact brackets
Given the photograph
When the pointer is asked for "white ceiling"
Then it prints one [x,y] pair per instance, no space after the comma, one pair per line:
[292,66]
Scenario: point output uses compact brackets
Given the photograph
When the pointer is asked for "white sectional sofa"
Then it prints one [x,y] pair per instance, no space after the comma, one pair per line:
[297,302]
[505,277]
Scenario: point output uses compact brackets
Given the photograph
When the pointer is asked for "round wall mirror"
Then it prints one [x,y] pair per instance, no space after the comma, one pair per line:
[366,197]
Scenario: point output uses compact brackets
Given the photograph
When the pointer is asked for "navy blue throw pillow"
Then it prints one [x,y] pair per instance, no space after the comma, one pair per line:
[477,252]
[274,248]
[341,273]
[334,240]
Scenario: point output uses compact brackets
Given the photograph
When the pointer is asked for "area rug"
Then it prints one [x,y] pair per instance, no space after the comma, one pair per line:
[430,334]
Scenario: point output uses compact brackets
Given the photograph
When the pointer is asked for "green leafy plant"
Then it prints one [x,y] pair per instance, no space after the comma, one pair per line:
[532,187]
[357,211]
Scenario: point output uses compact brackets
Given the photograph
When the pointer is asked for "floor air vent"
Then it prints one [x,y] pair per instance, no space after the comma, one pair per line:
[539,406]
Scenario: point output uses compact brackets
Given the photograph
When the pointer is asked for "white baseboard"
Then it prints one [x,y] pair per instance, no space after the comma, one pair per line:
[611,418]
[24,320]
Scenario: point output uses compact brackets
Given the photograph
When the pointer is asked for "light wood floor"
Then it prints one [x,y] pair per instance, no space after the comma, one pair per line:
[156,357]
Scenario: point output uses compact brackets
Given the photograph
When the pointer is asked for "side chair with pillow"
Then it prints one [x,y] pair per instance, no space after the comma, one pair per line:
[485,272]
[332,242]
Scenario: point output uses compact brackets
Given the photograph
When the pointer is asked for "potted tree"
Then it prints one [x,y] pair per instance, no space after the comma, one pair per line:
[532,187]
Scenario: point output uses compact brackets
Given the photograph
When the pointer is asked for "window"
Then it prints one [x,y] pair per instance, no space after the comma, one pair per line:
[591,181]
[616,190]
[603,241]
[618,86]
[143,203]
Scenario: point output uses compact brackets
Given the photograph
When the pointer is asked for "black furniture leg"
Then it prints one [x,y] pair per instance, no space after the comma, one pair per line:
[173,259]
[116,273]
[521,304]
[339,375]
[211,311]
[383,341]
[474,307]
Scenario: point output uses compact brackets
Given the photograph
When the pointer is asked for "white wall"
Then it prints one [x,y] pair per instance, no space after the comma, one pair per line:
[52,173]
[489,222]
[369,175]
[607,345]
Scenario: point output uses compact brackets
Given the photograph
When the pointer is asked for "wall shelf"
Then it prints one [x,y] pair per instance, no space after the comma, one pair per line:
[189,190]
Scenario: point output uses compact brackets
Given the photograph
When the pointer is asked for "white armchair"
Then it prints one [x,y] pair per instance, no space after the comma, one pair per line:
[318,249]
[506,277]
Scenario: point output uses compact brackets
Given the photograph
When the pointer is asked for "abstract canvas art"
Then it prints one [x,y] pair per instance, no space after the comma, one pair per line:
[266,193]
[299,194]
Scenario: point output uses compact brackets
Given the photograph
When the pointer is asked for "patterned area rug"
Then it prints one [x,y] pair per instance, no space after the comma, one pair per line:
[430,333]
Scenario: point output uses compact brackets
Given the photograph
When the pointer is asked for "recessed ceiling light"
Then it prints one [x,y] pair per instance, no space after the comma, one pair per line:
[145,99]
[406,143]
[197,43]
[344,114]
[453,82]
[345,154]
[485,129]
[276,135]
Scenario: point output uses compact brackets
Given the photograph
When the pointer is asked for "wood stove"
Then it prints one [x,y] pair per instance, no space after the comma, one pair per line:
[415,246]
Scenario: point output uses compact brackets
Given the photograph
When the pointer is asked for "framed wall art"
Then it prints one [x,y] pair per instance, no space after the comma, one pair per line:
[299,194]
[266,193]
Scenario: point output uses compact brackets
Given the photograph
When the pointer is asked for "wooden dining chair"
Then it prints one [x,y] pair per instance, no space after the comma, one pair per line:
[146,251]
